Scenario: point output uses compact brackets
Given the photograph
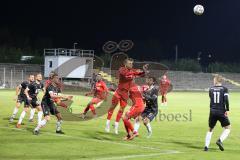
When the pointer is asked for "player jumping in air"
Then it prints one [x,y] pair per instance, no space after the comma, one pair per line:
[48,106]
[164,86]
[126,74]
[100,92]
[21,97]
[150,96]
[219,107]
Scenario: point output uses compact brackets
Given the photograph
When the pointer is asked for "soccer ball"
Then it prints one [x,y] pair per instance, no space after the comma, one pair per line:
[198,10]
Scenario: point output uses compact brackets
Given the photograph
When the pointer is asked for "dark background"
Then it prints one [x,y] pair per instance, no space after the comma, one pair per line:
[155,26]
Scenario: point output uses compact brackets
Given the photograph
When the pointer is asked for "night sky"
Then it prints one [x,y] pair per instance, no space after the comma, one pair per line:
[155,26]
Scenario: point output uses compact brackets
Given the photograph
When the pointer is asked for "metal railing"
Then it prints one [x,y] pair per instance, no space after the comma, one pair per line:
[68,52]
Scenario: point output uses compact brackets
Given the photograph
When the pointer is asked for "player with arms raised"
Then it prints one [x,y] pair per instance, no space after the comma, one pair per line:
[126,74]
[100,92]
[219,107]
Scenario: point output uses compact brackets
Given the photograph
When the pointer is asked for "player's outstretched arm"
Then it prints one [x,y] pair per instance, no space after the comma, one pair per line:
[26,93]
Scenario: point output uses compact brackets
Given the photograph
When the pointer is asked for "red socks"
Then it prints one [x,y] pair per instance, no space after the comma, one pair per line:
[119,115]
[164,99]
[110,113]
[128,126]
[91,107]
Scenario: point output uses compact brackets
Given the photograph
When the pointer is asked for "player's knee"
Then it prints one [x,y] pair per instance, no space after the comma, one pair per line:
[227,127]
[145,121]
[210,129]
[25,109]
[47,118]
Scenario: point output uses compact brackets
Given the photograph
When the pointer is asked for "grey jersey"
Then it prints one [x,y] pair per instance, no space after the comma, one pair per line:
[218,99]
[151,98]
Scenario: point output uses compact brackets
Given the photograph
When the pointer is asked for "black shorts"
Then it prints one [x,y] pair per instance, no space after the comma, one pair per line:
[213,118]
[49,108]
[21,99]
[34,102]
[150,114]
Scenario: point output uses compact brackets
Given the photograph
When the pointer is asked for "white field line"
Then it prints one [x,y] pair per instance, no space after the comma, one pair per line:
[103,141]
[139,155]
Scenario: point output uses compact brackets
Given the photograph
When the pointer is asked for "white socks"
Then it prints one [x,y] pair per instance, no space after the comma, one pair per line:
[116,127]
[208,138]
[224,134]
[40,114]
[15,111]
[41,124]
[136,126]
[149,128]
[58,125]
[107,129]
[32,112]
[21,117]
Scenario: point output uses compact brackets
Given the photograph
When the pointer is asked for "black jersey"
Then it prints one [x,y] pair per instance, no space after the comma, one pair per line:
[47,98]
[151,98]
[34,89]
[219,103]
[23,86]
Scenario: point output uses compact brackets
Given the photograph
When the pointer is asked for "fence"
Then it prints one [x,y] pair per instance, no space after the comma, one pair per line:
[12,75]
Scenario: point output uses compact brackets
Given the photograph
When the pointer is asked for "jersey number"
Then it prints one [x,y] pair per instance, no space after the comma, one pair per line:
[216,97]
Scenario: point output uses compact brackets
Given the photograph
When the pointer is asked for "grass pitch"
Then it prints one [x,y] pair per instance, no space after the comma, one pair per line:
[178,134]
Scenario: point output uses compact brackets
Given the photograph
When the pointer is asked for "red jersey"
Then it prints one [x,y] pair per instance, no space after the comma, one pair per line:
[126,77]
[164,85]
[47,83]
[100,89]
[136,97]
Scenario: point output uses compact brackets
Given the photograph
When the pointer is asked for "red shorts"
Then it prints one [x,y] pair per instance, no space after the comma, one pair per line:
[96,100]
[135,112]
[117,98]
[136,109]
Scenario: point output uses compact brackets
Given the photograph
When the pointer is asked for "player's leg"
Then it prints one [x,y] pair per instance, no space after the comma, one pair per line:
[40,113]
[115,100]
[137,125]
[211,123]
[59,120]
[165,99]
[150,116]
[25,110]
[162,99]
[123,105]
[59,123]
[127,124]
[91,106]
[135,111]
[147,124]
[34,105]
[226,125]
[32,112]
[42,123]
[16,108]
[85,110]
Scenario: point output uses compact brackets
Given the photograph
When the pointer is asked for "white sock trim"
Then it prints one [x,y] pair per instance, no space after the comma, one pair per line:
[208,138]
[224,134]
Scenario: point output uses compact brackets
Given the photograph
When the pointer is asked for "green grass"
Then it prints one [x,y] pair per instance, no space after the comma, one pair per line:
[178,140]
